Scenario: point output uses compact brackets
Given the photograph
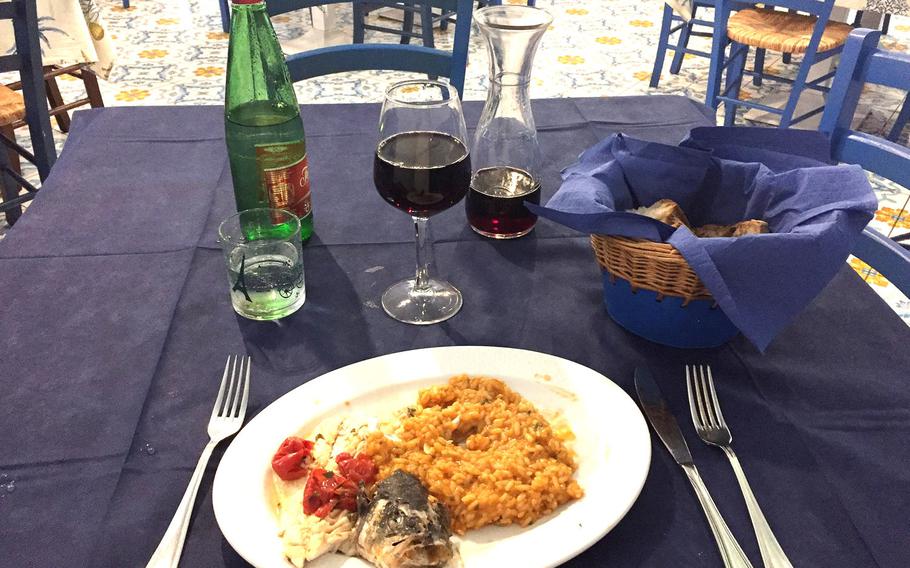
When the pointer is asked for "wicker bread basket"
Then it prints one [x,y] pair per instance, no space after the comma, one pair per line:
[647,265]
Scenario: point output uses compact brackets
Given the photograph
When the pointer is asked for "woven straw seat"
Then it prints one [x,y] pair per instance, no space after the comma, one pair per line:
[782,31]
[12,107]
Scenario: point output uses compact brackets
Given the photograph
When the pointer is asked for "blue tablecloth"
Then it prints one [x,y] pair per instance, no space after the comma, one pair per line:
[116,321]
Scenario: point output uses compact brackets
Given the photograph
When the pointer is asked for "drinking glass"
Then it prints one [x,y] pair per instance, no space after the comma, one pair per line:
[265,263]
[422,167]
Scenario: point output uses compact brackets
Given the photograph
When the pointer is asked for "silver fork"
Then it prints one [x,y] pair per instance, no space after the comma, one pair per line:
[226,420]
[712,429]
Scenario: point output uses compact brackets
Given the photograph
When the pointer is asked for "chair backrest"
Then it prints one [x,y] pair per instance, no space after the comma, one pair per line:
[361,57]
[862,61]
[27,60]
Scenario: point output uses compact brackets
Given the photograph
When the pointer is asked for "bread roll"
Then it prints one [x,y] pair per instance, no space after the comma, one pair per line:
[714,231]
[750,227]
[666,211]
[669,212]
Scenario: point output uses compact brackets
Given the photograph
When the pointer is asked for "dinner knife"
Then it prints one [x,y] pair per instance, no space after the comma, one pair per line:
[667,428]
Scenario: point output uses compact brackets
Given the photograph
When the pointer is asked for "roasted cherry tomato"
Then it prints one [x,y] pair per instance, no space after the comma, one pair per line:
[290,461]
[319,494]
[359,469]
[346,494]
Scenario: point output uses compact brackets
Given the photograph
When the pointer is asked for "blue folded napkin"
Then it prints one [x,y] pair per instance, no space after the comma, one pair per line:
[814,208]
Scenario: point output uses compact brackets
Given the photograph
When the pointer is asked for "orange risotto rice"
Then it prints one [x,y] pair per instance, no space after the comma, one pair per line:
[483,450]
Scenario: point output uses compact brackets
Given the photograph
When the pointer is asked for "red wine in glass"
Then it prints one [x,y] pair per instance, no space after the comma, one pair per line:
[495,203]
[422,173]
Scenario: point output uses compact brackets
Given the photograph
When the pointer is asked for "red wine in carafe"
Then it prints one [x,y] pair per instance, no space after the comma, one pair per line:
[495,203]
[422,173]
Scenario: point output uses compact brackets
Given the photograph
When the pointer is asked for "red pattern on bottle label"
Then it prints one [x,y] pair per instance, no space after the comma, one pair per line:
[285,177]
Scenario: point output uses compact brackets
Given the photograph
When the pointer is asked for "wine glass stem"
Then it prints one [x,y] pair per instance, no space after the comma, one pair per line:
[423,253]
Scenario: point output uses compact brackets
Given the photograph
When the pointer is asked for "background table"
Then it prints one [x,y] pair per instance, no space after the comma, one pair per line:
[71,32]
[117,322]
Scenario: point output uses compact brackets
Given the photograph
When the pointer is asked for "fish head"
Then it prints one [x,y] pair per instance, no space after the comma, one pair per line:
[404,527]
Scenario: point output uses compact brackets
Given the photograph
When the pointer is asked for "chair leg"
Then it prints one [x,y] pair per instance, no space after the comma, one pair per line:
[759,66]
[661,46]
[56,101]
[444,22]
[787,58]
[886,23]
[797,87]
[225,9]
[358,22]
[13,160]
[734,79]
[90,80]
[426,24]
[718,57]
[9,187]
[681,45]
[407,25]
[902,118]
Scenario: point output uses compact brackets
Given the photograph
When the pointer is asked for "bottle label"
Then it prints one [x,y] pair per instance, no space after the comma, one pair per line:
[285,176]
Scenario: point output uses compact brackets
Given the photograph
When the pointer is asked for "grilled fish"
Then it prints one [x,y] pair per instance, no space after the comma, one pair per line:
[401,527]
[307,537]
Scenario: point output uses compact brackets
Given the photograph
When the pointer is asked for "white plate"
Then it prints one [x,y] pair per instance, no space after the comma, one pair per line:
[612,443]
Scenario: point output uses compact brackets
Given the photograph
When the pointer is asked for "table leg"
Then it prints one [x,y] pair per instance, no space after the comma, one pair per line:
[871,20]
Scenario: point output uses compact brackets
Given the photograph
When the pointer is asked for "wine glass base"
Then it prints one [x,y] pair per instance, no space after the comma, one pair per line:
[437,302]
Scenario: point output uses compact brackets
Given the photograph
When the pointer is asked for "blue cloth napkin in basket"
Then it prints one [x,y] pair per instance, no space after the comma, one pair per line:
[814,208]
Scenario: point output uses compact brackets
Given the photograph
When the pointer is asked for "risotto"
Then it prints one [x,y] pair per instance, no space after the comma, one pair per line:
[481,449]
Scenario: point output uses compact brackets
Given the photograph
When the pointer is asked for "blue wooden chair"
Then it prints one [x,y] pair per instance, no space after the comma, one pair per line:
[26,60]
[768,29]
[225,7]
[447,19]
[681,47]
[863,62]
[408,8]
[360,57]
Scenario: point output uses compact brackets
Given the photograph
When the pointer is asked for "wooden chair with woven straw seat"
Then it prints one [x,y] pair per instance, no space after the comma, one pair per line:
[12,107]
[808,32]
[59,109]
[26,60]
[681,48]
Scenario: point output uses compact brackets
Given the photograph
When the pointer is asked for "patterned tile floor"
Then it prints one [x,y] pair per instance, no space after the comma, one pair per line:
[174,52]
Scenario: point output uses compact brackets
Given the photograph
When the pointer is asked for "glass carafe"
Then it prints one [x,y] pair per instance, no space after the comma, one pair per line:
[505,155]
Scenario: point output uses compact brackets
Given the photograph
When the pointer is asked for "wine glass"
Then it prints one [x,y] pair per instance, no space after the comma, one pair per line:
[422,167]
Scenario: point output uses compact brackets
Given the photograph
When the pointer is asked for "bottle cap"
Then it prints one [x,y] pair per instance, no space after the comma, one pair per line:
[246,1]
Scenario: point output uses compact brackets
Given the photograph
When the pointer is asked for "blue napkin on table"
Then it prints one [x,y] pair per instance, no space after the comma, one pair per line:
[814,208]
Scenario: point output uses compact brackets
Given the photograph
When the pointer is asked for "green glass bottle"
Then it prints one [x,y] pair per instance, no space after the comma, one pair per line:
[264,131]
